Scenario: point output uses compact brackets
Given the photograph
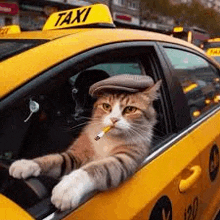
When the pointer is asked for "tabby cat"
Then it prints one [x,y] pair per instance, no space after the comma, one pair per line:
[90,164]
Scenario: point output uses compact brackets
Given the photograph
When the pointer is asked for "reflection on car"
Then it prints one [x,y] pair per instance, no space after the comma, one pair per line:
[212,48]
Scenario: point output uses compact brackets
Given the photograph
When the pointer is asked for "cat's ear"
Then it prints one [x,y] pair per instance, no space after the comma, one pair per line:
[152,92]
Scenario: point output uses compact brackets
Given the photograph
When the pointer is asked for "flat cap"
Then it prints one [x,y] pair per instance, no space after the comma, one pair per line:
[123,82]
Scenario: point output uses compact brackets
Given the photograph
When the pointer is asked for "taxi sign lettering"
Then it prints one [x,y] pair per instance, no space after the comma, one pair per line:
[93,14]
[69,19]
[213,52]
[11,29]
[4,30]
[177,29]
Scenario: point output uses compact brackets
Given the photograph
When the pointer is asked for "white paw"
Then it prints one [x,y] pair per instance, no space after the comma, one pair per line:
[70,190]
[24,168]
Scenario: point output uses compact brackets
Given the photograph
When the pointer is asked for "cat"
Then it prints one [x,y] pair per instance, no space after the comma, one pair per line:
[89,164]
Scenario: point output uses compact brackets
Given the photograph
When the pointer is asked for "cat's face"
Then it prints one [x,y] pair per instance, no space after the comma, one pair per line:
[127,113]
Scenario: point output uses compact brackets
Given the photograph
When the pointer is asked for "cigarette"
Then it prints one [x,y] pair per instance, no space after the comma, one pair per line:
[101,134]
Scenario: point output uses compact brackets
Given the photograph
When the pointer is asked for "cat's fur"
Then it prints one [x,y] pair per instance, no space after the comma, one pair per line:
[88,164]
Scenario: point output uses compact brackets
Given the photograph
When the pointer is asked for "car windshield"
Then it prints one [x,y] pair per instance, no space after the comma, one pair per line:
[10,48]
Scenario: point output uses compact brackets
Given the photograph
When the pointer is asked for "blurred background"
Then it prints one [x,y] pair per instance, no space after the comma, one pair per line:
[155,15]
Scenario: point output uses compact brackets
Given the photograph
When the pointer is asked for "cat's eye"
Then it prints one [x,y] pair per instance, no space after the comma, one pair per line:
[106,107]
[130,109]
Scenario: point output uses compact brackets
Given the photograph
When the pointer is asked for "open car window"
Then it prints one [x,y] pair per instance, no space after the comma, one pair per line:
[115,68]
[64,109]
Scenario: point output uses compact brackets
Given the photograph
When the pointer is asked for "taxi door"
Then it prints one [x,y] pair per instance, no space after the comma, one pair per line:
[207,137]
[166,188]
[200,84]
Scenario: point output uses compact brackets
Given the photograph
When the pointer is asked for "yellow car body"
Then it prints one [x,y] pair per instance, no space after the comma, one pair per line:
[180,178]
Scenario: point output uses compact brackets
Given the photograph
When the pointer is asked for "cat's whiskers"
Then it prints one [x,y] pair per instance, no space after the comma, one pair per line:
[84,117]
[138,132]
[156,129]
[141,128]
[79,125]
[148,125]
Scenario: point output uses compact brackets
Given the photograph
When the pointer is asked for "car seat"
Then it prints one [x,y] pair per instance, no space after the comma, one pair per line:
[80,92]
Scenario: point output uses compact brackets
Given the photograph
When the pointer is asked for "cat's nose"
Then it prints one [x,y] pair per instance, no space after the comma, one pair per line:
[114,120]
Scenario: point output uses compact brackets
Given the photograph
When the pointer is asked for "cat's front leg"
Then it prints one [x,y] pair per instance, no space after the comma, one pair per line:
[24,168]
[48,165]
[71,189]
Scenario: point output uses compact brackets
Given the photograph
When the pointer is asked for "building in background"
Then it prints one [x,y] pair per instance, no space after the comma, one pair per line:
[181,1]
[215,4]
[29,14]
[9,13]
[32,14]
[126,13]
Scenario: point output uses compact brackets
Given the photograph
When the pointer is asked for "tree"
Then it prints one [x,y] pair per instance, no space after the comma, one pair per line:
[194,14]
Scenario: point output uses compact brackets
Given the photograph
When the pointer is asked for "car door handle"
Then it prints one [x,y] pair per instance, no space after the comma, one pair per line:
[187,183]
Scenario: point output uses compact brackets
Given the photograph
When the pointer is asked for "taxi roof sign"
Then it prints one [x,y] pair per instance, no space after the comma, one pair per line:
[178,29]
[214,40]
[97,14]
[10,29]
[213,52]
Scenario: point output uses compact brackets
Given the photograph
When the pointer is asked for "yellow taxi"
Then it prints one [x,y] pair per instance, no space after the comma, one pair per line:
[45,75]
[212,48]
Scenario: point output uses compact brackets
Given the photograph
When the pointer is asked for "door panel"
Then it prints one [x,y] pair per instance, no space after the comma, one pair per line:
[207,138]
[153,192]
[200,84]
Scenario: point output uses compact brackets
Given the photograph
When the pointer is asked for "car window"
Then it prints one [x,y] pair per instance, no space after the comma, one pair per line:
[200,81]
[65,106]
[120,68]
[117,67]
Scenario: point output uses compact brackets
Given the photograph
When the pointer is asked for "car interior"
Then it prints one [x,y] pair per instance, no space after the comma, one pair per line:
[64,108]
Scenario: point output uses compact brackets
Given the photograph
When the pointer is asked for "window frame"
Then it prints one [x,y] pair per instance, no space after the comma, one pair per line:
[33,87]
[78,61]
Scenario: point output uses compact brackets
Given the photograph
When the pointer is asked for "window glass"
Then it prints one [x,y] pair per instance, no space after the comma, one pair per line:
[200,80]
[122,67]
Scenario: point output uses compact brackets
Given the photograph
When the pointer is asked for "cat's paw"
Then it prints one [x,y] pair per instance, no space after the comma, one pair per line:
[24,168]
[70,190]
